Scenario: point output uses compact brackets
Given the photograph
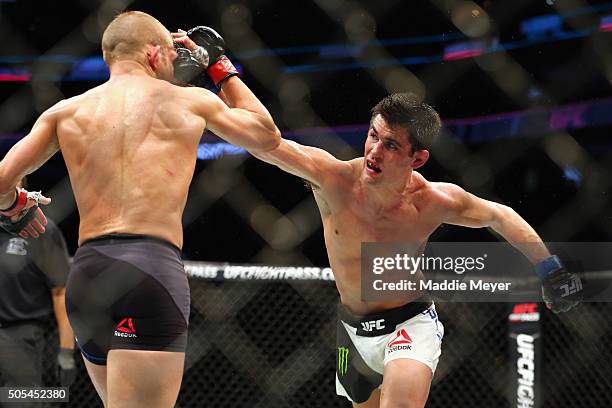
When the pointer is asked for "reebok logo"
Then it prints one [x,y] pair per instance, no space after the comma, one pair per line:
[125,328]
[401,337]
[401,341]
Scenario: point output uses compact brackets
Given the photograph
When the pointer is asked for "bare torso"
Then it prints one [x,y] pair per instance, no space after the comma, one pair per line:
[130,147]
[350,218]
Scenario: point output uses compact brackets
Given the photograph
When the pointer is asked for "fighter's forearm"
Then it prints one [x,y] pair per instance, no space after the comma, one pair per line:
[9,178]
[26,156]
[514,229]
[66,336]
[237,95]
[7,199]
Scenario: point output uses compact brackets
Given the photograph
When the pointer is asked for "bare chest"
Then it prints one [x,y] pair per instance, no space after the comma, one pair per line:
[356,222]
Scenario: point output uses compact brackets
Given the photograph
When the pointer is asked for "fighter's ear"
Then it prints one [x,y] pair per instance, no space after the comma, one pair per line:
[153,56]
[420,157]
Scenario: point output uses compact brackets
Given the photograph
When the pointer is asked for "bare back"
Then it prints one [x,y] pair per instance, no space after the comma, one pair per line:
[130,147]
[349,219]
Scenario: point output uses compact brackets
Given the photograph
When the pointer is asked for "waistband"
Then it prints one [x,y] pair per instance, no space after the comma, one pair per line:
[384,322]
[118,238]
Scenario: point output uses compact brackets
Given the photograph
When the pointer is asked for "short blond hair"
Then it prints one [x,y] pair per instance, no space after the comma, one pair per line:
[129,33]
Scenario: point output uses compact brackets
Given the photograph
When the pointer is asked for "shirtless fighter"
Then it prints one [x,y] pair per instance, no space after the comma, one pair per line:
[130,147]
[381,198]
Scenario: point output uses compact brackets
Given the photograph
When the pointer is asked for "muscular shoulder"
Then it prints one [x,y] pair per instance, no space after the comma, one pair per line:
[356,164]
[194,93]
[304,161]
[199,101]
[354,169]
[445,196]
[338,180]
[341,173]
[343,168]
[69,105]
[431,196]
[334,173]
[62,107]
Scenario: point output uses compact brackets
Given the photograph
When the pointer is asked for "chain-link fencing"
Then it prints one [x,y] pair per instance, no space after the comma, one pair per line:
[272,344]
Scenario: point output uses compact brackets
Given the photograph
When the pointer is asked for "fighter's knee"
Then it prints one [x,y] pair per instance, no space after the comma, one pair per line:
[397,400]
[397,403]
[412,404]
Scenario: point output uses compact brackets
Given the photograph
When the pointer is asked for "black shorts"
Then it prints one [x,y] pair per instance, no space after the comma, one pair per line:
[127,292]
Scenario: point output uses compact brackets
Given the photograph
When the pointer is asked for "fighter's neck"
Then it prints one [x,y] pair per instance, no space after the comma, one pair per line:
[389,195]
[130,67]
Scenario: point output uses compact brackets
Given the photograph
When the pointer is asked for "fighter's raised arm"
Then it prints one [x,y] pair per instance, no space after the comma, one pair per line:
[27,155]
[252,130]
[310,163]
[237,115]
[467,210]
[18,214]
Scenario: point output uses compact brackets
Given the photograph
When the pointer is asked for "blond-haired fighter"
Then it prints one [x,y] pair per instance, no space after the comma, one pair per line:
[130,147]
[388,351]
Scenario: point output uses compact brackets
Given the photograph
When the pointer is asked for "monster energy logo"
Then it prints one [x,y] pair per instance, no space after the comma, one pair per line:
[343,353]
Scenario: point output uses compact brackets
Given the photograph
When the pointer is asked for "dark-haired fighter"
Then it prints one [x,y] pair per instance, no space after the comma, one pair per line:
[381,198]
[130,146]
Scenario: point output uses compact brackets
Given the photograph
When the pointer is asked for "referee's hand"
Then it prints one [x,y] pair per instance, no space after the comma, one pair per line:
[66,367]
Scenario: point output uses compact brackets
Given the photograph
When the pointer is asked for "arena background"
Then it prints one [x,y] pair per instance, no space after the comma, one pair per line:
[524,88]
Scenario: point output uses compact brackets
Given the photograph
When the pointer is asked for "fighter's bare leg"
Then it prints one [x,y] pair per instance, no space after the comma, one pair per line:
[143,378]
[97,373]
[372,402]
[405,384]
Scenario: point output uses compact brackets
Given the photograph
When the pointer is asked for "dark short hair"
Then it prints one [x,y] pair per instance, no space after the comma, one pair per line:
[420,120]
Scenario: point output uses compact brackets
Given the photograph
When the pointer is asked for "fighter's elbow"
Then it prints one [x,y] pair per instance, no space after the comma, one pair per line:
[501,214]
[269,142]
[276,138]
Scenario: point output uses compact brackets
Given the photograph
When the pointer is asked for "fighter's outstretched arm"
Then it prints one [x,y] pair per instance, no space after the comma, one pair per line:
[27,155]
[252,129]
[310,163]
[468,210]
[19,212]
[561,289]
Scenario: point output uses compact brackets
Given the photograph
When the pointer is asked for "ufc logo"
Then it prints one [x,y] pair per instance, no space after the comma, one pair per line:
[575,285]
[525,308]
[373,324]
